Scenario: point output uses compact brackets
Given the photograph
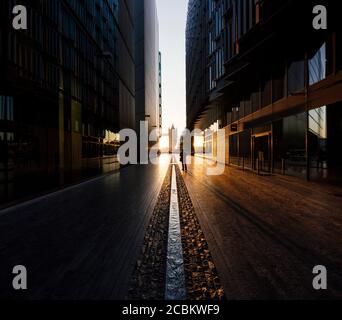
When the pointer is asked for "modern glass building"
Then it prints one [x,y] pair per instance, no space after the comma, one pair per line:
[147,63]
[67,86]
[274,86]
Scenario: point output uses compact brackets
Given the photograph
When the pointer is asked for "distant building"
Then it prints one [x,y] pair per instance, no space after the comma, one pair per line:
[173,136]
[67,86]
[147,63]
[273,86]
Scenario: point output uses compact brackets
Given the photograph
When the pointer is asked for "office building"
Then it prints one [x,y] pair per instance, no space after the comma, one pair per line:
[147,64]
[173,137]
[274,86]
[67,86]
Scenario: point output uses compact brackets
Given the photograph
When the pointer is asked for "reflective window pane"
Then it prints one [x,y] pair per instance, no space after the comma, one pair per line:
[318,122]
[296,77]
[317,66]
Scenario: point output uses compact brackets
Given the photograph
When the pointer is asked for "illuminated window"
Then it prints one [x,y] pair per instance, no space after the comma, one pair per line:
[318,122]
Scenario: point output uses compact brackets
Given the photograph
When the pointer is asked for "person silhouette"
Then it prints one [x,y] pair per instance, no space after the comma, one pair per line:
[183,159]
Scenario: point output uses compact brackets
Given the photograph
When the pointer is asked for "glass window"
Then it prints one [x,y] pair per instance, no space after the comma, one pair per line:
[318,122]
[230,40]
[245,144]
[296,77]
[6,108]
[76,114]
[229,118]
[317,66]
[236,113]
[293,140]
[233,146]
[266,88]
[255,99]
[10,115]
[278,86]
[339,50]
[248,106]
[2,108]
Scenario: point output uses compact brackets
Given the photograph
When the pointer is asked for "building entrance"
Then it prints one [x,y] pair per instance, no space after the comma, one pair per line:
[262,152]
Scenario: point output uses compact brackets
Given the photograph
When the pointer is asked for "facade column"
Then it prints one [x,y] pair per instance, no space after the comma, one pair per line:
[252,151]
[307,151]
[61,138]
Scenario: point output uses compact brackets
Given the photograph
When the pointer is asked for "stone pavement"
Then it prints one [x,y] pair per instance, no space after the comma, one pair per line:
[266,234]
[243,237]
[81,242]
[201,278]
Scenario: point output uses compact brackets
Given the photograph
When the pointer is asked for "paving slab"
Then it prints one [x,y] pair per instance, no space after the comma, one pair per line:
[266,234]
[81,242]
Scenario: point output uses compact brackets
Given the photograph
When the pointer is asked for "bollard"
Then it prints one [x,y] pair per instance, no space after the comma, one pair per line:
[283,167]
[258,166]
[243,164]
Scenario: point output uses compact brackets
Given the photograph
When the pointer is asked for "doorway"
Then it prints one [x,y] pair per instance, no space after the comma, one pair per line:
[262,153]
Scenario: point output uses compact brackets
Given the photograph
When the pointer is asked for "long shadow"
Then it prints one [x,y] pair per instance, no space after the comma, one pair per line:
[302,253]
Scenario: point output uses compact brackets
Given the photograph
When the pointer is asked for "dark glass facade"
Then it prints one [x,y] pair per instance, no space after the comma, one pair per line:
[64,93]
[197,80]
[278,84]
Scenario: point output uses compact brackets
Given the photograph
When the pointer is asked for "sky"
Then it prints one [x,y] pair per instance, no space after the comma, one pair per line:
[172,24]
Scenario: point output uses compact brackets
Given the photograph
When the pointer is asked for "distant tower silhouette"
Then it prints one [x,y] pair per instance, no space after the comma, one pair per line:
[172,139]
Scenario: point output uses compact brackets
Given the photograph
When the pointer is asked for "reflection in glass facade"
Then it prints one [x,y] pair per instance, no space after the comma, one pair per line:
[6,108]
[317,66]
[296,77]
[318,122]
[63,93]
[271,85]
